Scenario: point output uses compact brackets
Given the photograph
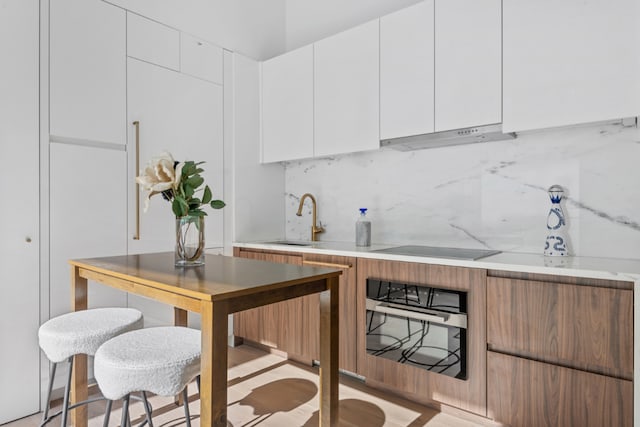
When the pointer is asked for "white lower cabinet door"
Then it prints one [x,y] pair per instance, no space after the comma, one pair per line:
[184,116]
[19,231]
[88,212]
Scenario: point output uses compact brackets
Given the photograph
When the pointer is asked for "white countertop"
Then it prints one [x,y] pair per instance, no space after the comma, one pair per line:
[591,267]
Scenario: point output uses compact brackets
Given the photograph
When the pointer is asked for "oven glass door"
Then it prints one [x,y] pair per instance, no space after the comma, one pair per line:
[417,325]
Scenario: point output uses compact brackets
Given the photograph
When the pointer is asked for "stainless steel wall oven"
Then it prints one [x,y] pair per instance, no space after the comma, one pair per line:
[418,325]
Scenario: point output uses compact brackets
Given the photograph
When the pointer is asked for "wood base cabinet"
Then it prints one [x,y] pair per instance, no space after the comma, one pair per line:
[523,393]
[348,308]
[293,326]
[422,385]
[584,327]
[560,350]
[272,325]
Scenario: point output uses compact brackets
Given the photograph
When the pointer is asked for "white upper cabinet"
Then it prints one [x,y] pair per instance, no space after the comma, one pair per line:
[153,42]
[346,91]
[468,79]
[570,62]
[87,71]
[182,115]
[200,58]
[287,106]
[407,71]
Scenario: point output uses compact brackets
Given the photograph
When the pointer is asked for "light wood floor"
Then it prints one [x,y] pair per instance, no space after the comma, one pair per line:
[267,390]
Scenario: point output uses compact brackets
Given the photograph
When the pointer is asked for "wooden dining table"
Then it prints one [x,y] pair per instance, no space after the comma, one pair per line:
[222,286]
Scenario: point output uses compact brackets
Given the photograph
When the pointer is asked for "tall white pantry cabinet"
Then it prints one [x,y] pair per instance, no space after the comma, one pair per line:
[19,228]
[121,84]
[102,68]
[87,134]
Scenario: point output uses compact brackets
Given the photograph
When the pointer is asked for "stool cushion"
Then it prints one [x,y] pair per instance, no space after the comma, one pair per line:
[161,360]
[82,332]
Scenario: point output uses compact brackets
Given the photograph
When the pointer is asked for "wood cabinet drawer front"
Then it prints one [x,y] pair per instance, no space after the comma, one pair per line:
[584,327]
[264,324]
[293,326]
[525,393]
[348,310]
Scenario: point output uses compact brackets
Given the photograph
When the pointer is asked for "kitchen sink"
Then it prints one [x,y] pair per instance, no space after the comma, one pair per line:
[290,243]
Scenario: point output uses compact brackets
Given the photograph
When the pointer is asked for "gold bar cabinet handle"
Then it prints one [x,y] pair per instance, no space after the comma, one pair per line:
[326,264]
[136,235]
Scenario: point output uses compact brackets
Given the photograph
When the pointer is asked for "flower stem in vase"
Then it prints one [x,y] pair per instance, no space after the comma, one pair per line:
[181,184]
[189,241]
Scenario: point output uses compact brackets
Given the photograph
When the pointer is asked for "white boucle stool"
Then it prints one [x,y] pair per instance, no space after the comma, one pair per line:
[162,360]
[81,332]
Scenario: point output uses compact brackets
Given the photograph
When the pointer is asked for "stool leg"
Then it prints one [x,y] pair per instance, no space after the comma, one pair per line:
[52,375]
[107,414]
[185,398]
[147,408]
[67,391]
[125,411]
[198,383]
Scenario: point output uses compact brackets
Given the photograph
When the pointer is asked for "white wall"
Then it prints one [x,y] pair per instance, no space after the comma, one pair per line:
[310,20]
[253,192]
[490,195]
[255,28]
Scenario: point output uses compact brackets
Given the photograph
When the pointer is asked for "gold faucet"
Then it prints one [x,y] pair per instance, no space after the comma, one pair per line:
[315,229]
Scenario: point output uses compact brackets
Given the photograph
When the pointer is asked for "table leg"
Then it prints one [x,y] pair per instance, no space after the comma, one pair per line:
[180,318]
[79,391]
[213,374]
[329,339]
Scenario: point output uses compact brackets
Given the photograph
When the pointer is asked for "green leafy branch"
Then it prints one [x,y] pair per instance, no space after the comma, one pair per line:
[184,197]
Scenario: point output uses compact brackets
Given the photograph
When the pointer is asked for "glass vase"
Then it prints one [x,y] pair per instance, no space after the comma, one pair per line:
[189,241]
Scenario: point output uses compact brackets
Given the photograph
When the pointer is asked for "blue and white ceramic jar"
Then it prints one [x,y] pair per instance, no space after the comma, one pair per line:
[556,244]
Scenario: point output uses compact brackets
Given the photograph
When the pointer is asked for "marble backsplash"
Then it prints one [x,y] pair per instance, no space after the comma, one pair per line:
[490,195]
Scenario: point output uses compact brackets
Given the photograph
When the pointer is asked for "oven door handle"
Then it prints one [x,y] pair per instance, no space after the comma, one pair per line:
[433,316]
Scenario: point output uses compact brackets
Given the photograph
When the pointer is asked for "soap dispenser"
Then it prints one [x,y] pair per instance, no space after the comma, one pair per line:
[363,229]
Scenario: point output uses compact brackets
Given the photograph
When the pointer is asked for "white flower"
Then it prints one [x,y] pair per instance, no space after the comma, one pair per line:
[160,175]
[178,183]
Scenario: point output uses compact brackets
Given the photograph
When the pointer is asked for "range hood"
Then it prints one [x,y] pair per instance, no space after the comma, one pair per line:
[451,137]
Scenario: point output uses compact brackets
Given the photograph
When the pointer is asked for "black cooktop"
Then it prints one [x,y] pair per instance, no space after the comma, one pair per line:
[439,252]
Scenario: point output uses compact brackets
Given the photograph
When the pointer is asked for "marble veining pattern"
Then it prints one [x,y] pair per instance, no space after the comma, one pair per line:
[491,195]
